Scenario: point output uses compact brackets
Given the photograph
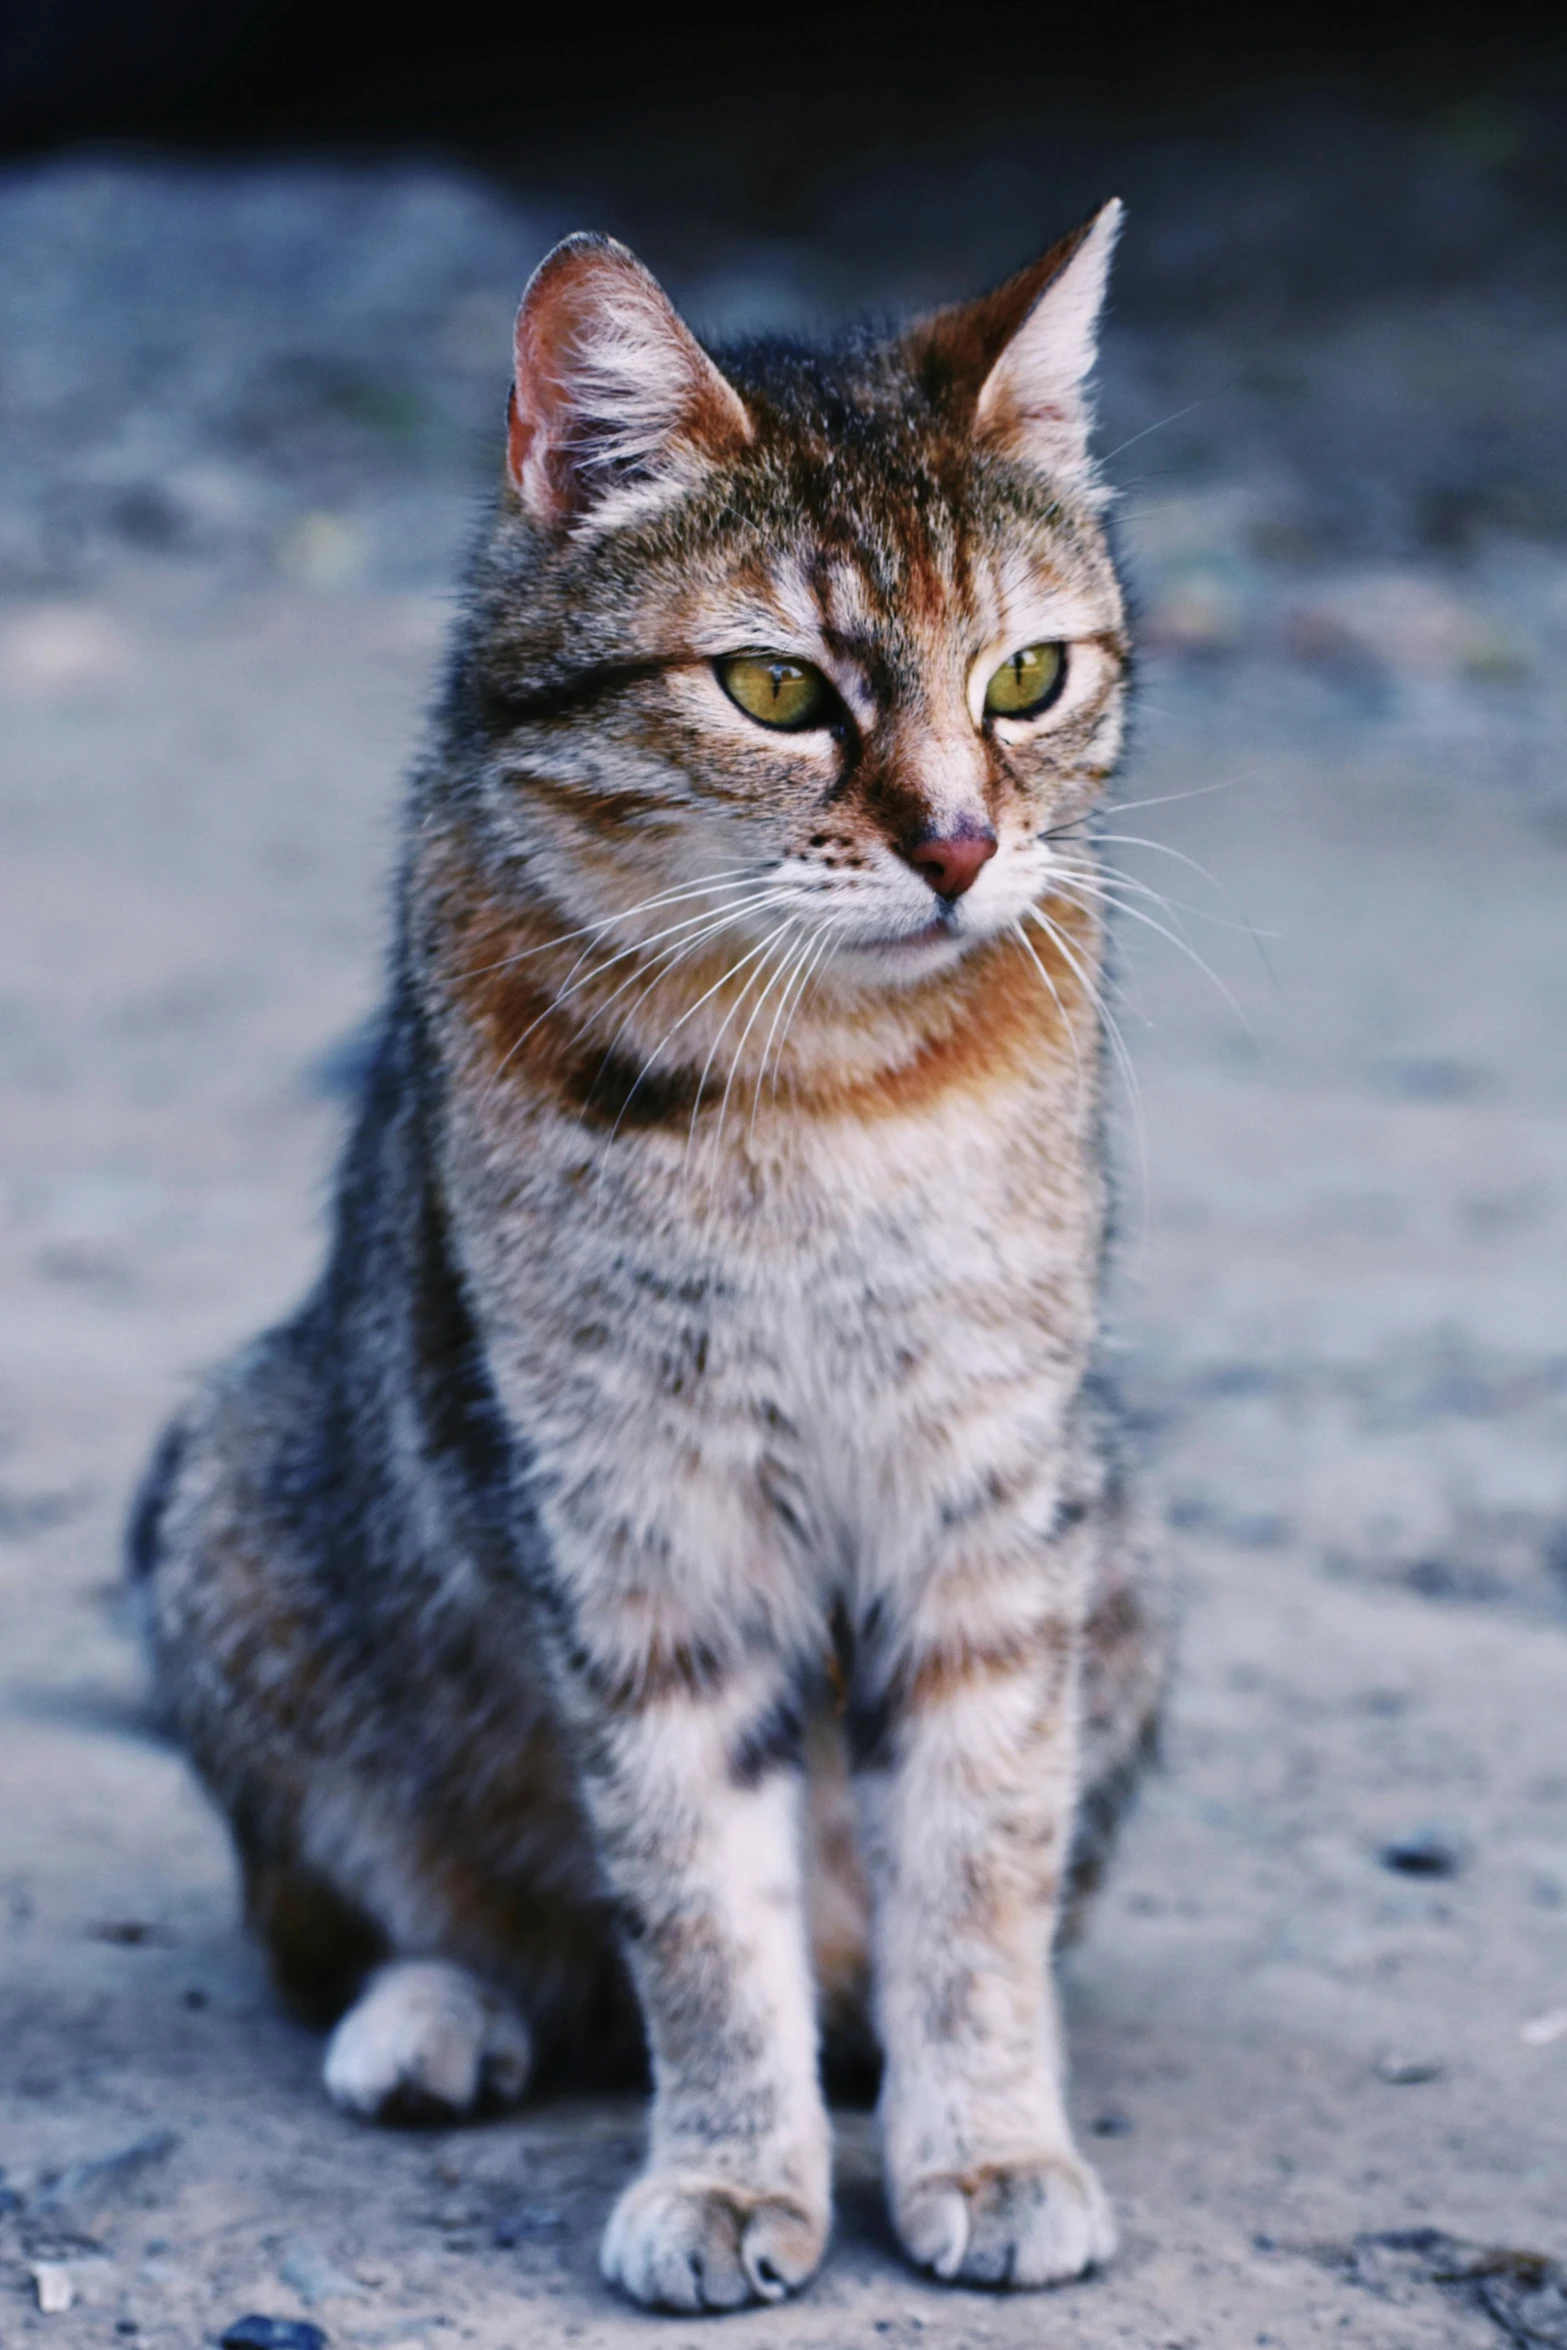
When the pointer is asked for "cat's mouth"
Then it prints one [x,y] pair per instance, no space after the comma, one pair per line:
[943,928]
[948,926]
[912,953]
[940,931]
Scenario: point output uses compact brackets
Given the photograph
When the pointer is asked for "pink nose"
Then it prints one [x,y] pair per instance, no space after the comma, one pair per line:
[951,866]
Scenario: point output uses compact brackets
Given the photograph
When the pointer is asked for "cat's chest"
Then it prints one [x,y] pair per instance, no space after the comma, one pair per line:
[839,1301]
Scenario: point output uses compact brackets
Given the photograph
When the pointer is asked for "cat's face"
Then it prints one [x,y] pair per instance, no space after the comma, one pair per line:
[833,644]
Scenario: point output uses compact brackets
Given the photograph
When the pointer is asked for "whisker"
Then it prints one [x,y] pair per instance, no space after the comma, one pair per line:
[1135,840]
[1094,987]
[689,1013]
[1027,944]
[1136,914]
[671,930]
[639,947]
[672,960]
[1117,1043]
[1113,886]
[715,923]
[813,972]
[1113,876]
[1138,840]
[1174,417]
[785,963]
[666,965]
[1162,848]
[1108,980]
[782,931]
[708,925]
[669,897]
[796,965]
[1199,791]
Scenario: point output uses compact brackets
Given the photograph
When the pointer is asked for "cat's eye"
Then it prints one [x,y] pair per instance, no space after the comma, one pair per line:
[777,691]
[1027,682]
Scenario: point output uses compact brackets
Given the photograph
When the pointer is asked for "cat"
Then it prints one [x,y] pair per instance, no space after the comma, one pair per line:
[670,1585]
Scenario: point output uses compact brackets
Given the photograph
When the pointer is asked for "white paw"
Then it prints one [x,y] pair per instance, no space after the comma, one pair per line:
[1013,2223]
[426,2039]
[678,2242]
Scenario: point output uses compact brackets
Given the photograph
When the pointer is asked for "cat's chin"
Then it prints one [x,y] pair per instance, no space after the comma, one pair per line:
[906,961]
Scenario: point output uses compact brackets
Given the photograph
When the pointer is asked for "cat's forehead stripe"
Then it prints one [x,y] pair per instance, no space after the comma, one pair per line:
[843,595]
[890,595]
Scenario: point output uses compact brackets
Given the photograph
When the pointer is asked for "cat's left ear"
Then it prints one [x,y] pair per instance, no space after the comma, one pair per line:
[1018,360]
[614,403]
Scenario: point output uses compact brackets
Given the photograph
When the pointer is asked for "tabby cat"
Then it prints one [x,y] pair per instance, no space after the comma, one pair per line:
[667,1587]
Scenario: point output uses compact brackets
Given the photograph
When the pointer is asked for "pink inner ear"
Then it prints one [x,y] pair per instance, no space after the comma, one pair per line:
[1012,415]
[538,410]
[607,378]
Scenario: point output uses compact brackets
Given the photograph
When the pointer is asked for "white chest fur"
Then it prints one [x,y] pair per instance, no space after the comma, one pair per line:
[759,1380]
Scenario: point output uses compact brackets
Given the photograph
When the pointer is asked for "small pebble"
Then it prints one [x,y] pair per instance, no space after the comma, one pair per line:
[525,2221]
[314,2277]
[1404,2070]
[53,2284]
[1423,1855]
[273,2333]
[1113,2124]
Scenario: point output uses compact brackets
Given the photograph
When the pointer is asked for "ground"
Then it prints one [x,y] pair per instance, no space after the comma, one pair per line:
[247,411]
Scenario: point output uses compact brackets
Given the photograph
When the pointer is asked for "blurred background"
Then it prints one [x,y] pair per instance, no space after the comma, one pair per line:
[258,265]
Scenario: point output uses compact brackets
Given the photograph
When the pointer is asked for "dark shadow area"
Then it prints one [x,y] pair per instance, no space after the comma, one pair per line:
[711,124]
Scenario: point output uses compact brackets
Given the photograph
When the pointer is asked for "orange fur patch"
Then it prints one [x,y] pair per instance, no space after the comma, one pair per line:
[958,1665]
[984,1026]
[997,1018]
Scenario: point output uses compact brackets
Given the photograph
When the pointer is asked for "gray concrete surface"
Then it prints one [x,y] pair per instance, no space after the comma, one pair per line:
[245,411]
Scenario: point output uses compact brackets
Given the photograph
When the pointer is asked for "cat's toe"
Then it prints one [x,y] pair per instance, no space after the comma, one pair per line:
[1016,2224]
[687,2244]
[425,2042]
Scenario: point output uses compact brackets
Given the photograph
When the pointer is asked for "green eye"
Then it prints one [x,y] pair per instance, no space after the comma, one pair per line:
[1027,682]
[775,691]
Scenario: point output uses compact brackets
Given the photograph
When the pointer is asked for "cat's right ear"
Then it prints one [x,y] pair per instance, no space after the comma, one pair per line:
[614,404]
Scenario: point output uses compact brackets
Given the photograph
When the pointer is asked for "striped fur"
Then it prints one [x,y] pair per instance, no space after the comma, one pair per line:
[668,1587]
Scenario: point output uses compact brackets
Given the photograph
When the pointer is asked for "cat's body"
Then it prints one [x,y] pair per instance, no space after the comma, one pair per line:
[675,1547]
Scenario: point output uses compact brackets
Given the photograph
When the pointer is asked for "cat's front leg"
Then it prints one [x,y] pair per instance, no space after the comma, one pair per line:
[967,1788]
[697,1801]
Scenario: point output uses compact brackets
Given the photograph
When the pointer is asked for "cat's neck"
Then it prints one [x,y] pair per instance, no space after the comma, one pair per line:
[635,1035]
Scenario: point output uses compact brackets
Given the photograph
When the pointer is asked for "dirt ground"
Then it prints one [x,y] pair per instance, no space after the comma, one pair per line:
[1324,2002]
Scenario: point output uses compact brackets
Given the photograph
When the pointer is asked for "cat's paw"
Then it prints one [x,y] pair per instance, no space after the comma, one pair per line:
[680,2242]
[427,2042]
[1015,2224]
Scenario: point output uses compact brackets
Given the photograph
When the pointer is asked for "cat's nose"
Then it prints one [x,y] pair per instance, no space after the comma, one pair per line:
[951,863]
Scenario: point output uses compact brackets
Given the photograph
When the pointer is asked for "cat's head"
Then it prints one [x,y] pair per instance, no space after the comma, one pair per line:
[830,639]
